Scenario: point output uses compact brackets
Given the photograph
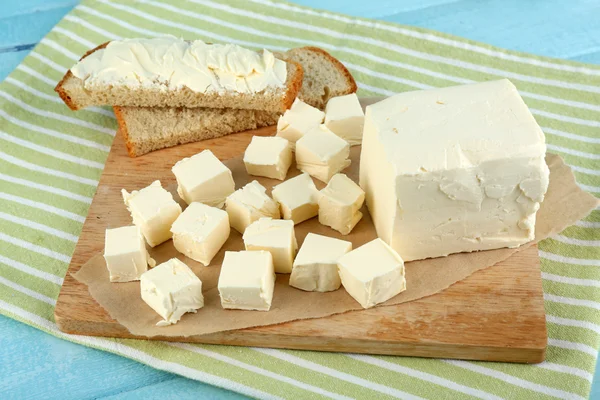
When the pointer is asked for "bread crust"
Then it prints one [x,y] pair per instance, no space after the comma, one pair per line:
[293,84]
[123,129]
[338,64]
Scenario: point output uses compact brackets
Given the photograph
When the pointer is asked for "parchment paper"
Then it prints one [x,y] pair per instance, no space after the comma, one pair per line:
[565,204]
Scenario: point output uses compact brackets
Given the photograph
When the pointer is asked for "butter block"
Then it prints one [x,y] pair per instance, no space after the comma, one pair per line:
[298,120]
[125,254]
[269,156]
[344,116]
[153,210]
[203,178]
[451,170]
[172,289]
[315,267]
[322,154]
[298,198]
[372,273]
[249,204]
[277,236]
[200,232]
[247,280]
[339,204]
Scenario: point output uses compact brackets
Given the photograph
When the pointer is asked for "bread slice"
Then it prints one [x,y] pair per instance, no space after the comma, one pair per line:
[324,76]
[147,129]
[72,91]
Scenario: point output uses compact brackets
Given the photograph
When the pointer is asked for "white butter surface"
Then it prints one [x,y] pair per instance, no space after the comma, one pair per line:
[276,236]
[269,156]
[298,120]
[322,154]
[339,204]
[453,170]
[203,178]
[125,254]
[298,198]
[344,116]
[200,232]
[172,289]
[249,204]
[153,210]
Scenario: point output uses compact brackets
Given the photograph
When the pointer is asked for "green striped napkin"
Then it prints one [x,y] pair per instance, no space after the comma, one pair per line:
[51,160]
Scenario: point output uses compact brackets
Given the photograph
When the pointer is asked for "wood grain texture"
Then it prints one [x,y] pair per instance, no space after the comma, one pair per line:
[496,314]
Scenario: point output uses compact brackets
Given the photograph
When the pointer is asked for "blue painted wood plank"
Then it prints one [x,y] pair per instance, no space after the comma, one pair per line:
[30,27]
[178,389]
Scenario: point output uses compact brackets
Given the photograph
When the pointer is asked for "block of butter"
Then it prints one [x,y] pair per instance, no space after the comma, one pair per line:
[247,280]
[276,236]
[203,178]
[248,204]
[269,156]
[315,267]
[125,254]
[153,210]
[344,116]
[372,273]
[298,120]
[172,289]
[322,154]
[298,198]
[453,170]
[200,232]
[339,204]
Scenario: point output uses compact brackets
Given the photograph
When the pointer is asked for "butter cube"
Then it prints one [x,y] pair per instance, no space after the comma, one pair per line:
[339,204]
[298,198]
[372,273]
[125,254]
[277,236]
[200,232]
[315,267]
[153,210]
[248,204]
[247,280]
[298,120]
[269,156]
[344,116]
[453,170]
[172,289]
[322,154]
[203,178]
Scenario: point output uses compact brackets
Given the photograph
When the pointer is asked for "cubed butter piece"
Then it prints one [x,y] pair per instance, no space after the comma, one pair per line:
[315,267]
[172,289]
[153,210]
[125,254]
[344,116]
[269,156]
[322,154]
[200,232]
[248,204]
[247,280]
[203,178]
[277,236]
[298,120]
[298,198]
[452,170]
[339,204]
[372,273]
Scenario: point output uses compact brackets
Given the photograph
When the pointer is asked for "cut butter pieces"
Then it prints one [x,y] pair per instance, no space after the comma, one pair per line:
[298,120]
[276,236]
[315,267]
[200,232]
[247,280]
[125,254]
[298,198]
[270,157]
[249,204]
[453,170]
[322,154]
[344,116]
[153,210]
[372,273]
[339,204]
[172,289]
[203,178]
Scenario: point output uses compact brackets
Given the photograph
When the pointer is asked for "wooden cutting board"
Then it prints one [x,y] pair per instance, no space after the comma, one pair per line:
[496,314]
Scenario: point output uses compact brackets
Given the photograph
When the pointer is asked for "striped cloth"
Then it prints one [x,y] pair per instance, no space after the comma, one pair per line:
[51,160]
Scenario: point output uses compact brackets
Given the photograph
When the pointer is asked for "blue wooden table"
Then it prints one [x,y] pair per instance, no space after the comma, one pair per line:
[36,365]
